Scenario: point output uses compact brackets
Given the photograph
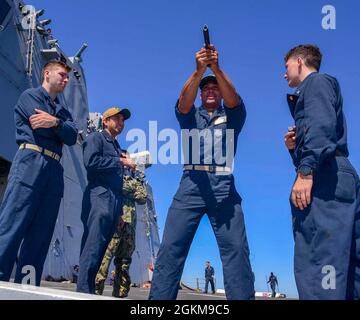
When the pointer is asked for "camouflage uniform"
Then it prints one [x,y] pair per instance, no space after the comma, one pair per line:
[122,245]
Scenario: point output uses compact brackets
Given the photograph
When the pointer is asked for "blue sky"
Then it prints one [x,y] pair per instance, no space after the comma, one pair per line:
[140,54]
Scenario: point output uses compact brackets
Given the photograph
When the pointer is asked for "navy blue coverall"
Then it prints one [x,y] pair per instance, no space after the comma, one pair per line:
[273,283]
[35,186]
[209,277]
[102,204]
[327,233]
[203,192]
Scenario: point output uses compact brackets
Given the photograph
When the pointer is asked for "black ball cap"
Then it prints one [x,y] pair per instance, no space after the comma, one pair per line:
[206,80]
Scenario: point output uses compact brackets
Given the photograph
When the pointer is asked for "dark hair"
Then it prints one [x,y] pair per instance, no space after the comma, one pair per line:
[309,53]
[51,64]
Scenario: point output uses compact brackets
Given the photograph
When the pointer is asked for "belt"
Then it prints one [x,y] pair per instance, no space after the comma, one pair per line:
[41,150]
[207,168]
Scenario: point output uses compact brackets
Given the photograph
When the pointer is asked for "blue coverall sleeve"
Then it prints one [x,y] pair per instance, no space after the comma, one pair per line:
[67,130]
[236,116]
[27,104]
[186,120]
[94,160]
[320,122]
[25,108]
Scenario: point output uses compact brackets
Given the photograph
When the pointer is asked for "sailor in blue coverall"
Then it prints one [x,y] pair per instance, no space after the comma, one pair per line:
[325,199]
[35,187]
[102,201]
[207,185]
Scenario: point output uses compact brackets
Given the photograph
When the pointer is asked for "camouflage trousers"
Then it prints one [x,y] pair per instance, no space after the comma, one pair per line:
[121,246]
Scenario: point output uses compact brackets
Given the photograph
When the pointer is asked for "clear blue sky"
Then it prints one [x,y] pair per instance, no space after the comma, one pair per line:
[140,54]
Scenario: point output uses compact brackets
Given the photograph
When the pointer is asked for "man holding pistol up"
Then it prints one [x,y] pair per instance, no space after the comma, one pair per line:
[207,185]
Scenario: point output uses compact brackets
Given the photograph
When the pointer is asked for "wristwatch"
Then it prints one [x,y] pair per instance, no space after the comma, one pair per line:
[305,171]
[59,123]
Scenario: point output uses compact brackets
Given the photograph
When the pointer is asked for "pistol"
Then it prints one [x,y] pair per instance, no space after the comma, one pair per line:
[206,36]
